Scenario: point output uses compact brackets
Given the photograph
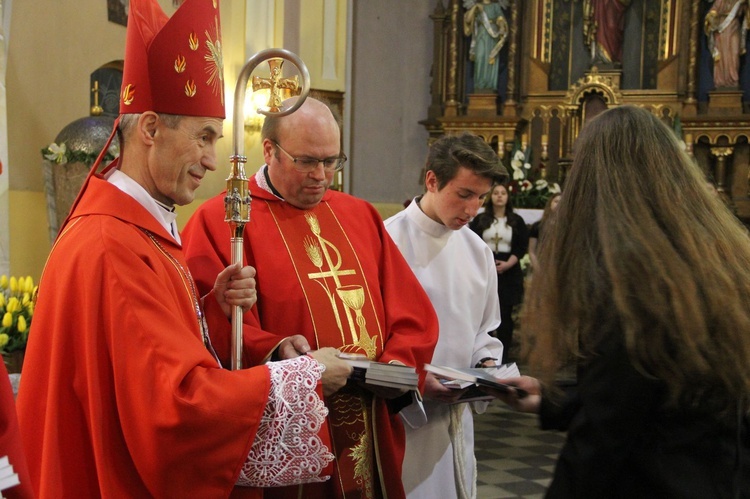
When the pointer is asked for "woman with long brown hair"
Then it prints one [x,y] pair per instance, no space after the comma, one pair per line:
[645,280]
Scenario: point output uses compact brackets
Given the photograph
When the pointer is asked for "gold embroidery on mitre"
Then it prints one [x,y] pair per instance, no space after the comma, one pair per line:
[216,3]
[193,42]
[180,64]
[128,94]
[190,89]
[215,62]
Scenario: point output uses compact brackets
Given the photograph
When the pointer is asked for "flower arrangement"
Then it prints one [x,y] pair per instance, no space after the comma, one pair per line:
[528,188]
[17,300]
[61,154]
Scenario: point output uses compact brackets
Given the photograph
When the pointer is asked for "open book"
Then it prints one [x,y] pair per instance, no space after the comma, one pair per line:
[371,372]
[8,477]
[460,378]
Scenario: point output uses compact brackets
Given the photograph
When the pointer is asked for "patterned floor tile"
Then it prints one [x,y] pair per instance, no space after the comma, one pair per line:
[515,459]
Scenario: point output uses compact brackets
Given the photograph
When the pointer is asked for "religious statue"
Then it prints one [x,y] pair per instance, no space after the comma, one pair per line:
[726,39]
[485,23]
[604,29]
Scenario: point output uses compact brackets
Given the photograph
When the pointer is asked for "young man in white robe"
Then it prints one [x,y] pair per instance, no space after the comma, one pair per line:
[457,270]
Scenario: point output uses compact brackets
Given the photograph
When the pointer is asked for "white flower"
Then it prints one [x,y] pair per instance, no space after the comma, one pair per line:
[554,188]
[541,184]
[527,165]
[519,156]
[114,149]
[518,174]
[57,153]
[525,261]
[526,186]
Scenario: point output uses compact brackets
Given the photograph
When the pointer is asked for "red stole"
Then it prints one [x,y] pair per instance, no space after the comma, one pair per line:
[340,304]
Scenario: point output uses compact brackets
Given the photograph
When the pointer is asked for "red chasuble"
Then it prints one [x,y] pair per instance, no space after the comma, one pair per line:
[10,439]
[119,395]
[332,274]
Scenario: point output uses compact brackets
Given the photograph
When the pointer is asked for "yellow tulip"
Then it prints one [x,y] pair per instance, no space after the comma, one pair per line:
[13,285]
[7,319]
[13,305]
[2,300]
[29,287]
[3,281]
[21,324]
[26,299]
[4,338]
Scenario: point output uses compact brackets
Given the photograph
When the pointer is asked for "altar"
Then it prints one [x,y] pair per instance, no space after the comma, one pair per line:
[547,87]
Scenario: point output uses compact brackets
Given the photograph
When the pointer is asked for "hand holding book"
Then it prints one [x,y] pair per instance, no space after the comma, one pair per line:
[386,380]
[482,380]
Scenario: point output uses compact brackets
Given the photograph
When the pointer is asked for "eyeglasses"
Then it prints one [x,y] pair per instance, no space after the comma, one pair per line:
[307,164]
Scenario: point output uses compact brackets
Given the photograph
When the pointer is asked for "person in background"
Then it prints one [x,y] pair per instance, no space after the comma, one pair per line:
[122,394]
[645,278]
[457,270]
[326,269]
[506,234]
[536,228]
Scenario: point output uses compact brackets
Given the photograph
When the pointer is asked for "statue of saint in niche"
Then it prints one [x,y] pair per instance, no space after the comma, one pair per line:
[604,30]
[484,22]
[726,26]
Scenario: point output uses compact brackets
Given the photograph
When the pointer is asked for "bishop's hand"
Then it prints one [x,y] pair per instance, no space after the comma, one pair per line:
[235,286]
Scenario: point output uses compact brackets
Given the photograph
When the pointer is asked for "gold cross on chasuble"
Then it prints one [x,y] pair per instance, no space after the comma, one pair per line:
[336,290]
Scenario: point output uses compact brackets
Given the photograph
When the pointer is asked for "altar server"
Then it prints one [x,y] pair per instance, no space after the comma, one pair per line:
[457,270]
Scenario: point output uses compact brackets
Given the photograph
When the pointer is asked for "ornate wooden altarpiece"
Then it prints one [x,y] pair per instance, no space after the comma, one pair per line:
[548,87]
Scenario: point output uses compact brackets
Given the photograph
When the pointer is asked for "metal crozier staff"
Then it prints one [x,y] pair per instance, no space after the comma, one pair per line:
[237,198]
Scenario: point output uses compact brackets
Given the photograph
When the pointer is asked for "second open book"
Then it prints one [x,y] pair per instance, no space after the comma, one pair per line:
[474,377]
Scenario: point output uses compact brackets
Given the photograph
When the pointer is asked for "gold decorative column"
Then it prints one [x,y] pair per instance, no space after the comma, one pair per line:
[439,42]
[690,108]
[720,172]
[451,103]
[509,107]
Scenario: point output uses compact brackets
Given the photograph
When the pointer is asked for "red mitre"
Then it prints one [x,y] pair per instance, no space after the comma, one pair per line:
[173,65]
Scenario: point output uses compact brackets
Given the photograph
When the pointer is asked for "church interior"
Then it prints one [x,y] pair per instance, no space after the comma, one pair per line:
[402,74]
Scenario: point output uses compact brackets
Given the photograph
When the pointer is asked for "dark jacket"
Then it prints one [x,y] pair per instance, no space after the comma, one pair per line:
[623,442]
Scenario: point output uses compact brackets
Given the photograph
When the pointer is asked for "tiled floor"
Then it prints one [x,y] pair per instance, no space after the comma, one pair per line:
[514,457]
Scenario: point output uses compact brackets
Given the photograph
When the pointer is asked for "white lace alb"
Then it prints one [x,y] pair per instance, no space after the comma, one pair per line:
[287,449]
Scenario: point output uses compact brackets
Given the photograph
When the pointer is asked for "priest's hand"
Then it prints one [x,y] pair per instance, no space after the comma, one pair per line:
[292,346]
[337,371]
[434,389]
[235,285]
